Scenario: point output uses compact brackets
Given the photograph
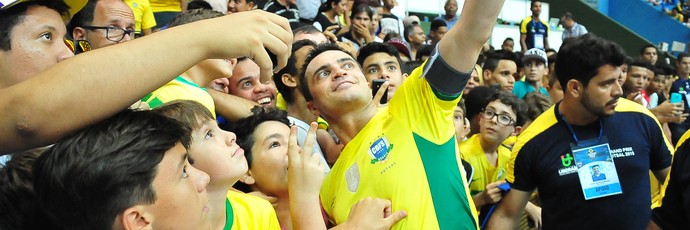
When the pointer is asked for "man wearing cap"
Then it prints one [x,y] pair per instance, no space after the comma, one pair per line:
[103,23]
[535,62]
[42,100]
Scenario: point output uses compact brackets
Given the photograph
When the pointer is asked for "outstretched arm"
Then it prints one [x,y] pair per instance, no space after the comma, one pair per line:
[92,86]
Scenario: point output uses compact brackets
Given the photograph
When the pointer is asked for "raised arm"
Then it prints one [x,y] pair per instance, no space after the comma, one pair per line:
[92,86]
[462,44]
[507,214]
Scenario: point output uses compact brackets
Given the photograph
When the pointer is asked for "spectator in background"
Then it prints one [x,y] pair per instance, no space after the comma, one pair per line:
[235,6]
[681,86]
[359,34]
[508,44]
[534,32]
[382,61]
[199,4]
[286,9]
[308,32]
[649,53]
[535,62]
[475,101]
[103,23]
[218,5]
[437,29]
[308,10]
[375,25]
[499,70]
[143,16]
[164,11]
[572,28]
[415,36]
[451,17]
[328,14]
[389,22]
[475,79]
[676,14]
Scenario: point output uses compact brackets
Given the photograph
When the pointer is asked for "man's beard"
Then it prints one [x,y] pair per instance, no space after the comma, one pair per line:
[598,111]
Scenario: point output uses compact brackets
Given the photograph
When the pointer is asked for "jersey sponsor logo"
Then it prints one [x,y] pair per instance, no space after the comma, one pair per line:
[568,167]
[566,160]
[380,150]
[352,178]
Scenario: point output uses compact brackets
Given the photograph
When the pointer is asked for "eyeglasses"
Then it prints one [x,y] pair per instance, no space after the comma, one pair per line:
[112,33]
[503,119]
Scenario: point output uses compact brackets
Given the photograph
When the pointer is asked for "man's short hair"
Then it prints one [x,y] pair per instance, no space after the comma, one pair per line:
[437,23]
[193,16]
[304,84]
[683,55]
[493,57]
[647,46]
[509,99]
[84,17]
[664,69]
[87,179]
[580,58]
[568,15]
[290,68]
[245,127]
[642,64]
[199,4]
[306,29]
[532,2]
[508,39]
[11,16]
[377,47]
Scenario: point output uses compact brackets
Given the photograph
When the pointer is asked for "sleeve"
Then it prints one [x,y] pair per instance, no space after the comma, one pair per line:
[584,30]
[676,194]
[523,26]
[147,21]
[660,156]
[519,170]
[317,24]
[546,31]
[444,79]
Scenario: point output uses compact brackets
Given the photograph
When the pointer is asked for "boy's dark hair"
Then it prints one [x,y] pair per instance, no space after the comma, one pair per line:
[291,69]
[461,104]
[82,18]
[85,180]
[641,64]
[306,29]
[19,208]
[493,57]
[327,5]
[199,4]
[664,69]
[424,50]
[580,58]
[437,23]
[536,104]
[509,99]
[531,4]
[647,46]
[391,36]
[508,39]
[303,83]
[188,112]
[193,16]
[377,47]
[244,128]
[410,66]
[476,100]
[682,55]
[11,16]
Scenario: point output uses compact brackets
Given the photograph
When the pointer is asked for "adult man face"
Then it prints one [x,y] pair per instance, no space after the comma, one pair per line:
[683,66]
[451,7]
[567,22]
[389,4]
[384,66]
[113,22]
[535,70]
[503,75]
[600,96]
[638,78]
[595,170]
[235,6]
[245,83]
[438,34]
[36,43]
[649,54]
[535,7]
[336,83]
[417,37]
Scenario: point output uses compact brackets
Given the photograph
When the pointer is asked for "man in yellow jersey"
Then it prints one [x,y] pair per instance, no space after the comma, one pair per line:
[143,16]
[407,151]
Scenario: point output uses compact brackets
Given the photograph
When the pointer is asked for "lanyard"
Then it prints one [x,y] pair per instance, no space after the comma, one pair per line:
[572,131]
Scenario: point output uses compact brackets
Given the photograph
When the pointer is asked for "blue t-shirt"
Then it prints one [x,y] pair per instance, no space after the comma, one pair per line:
[522,88]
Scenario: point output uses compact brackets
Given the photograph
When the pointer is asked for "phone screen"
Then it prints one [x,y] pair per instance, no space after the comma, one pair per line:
[375,85]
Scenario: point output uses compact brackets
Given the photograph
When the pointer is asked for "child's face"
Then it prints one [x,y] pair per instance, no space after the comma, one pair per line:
[216,152]
[462,125]
[269,157]
[490,129]
[657,84]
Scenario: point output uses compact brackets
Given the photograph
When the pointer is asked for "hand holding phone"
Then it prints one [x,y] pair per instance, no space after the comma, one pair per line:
[676,98]
[375,86]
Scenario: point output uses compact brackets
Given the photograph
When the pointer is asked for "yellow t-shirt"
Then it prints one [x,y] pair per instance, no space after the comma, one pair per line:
[180,89]
[165,6]
[250,212]
[143,14]
[406,153]
[484,173]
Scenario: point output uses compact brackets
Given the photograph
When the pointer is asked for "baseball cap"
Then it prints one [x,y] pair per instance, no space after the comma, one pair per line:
[411,20]
[401,46]
[74,5]
[4,4]
[535,53]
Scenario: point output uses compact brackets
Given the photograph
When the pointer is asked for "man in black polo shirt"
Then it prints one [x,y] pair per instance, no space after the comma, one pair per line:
[551,154]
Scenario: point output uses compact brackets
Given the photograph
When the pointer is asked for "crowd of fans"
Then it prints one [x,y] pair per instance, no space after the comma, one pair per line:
[138,114]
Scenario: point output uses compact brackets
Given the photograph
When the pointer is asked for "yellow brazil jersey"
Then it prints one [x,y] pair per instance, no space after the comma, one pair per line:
[249,212]
[143,14]
[406,153]
[165,5]
[484,173]
[180,89]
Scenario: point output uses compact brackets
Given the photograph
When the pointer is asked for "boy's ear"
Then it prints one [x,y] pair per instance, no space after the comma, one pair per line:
[517,131]
[248,178]
[136,218]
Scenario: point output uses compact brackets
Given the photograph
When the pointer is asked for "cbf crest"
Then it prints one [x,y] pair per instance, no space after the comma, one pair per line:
[379,150]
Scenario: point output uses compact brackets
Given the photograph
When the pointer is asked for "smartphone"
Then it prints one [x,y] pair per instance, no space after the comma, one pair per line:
[676,97]
[375,86]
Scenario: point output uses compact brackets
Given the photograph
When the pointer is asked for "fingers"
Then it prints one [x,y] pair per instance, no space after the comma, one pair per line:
[394,218]
[380,92]
[310,139]
[293,147]
[283,49]
[333,27]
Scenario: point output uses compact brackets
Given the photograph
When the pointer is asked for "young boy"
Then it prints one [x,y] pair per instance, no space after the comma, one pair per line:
[535,66]
[217,153]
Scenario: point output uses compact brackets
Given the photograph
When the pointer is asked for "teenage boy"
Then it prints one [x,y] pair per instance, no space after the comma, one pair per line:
[535,66]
